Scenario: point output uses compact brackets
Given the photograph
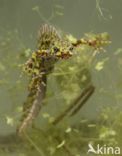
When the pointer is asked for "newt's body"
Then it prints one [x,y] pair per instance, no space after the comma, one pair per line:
[52,46]
[38,66]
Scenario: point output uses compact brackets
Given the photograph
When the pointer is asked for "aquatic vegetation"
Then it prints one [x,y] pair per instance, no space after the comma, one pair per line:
[51,48]
[54,124]
[73,76]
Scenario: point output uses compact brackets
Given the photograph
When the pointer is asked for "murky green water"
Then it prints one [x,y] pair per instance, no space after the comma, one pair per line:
[99,120]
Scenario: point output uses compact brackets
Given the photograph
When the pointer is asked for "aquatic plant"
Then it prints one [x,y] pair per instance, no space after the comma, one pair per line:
[60,128]
[51,48]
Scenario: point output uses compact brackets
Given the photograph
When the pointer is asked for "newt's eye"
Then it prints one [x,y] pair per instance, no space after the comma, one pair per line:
[71,48]
[56,49]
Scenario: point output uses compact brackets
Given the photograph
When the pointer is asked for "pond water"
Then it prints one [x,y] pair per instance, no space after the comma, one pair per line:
[99,120]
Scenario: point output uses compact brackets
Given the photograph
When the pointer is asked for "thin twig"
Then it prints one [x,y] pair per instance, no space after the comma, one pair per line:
[86,97]
[60,117]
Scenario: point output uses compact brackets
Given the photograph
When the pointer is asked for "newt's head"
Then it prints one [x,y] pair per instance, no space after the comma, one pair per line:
[51,43]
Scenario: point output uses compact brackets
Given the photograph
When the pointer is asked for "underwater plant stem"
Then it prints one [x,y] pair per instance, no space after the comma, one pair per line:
[84,100]
[85,95]
[38,149]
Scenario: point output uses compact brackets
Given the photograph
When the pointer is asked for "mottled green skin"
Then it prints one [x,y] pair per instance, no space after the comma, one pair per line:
[51,48]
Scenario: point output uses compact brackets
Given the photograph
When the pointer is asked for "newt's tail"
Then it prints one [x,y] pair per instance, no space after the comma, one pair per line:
[33,104]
